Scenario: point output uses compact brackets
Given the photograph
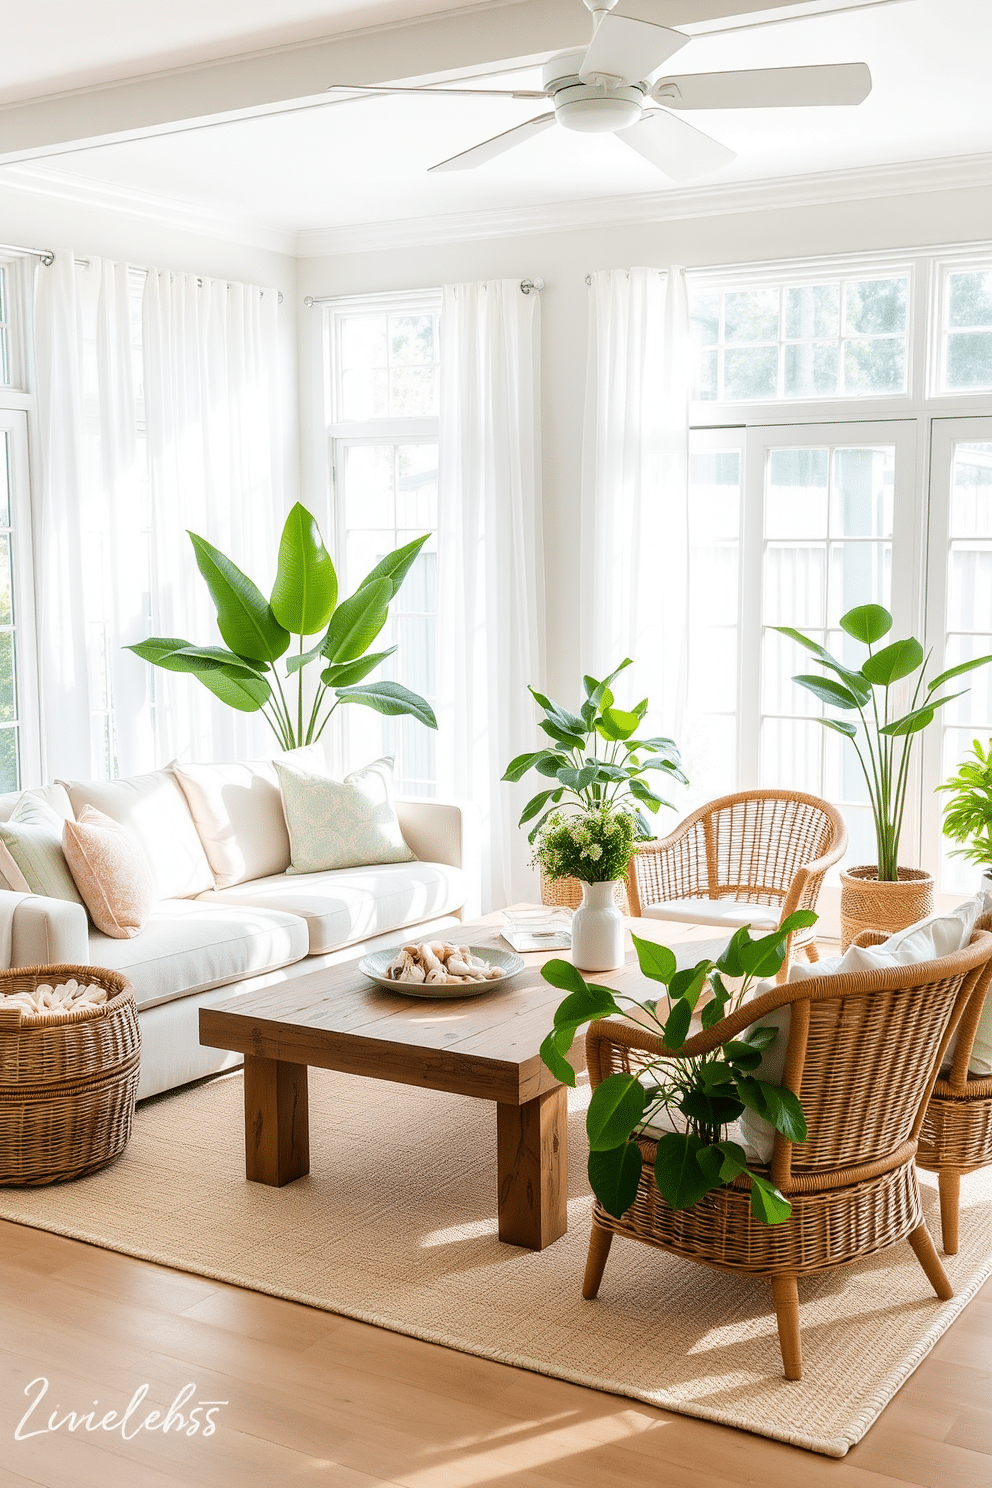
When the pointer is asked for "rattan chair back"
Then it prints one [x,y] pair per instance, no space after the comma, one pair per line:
[762,846]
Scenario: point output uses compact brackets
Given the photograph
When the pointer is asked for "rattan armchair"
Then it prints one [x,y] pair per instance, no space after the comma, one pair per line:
[767,848]
[956,1137]
[862,1054]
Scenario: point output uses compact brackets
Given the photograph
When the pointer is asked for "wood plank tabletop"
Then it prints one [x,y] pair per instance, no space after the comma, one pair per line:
[485,1046]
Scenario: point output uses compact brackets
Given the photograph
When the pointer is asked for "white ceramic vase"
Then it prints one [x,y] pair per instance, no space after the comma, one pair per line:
[597,929]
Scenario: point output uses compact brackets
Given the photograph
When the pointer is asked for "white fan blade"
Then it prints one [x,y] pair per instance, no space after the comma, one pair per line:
[629,50]
[489,149]
[679,149]
[767,87]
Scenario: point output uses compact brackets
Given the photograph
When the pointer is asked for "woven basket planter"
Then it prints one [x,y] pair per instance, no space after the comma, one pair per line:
[567,893]
[67,1082]
[868,904]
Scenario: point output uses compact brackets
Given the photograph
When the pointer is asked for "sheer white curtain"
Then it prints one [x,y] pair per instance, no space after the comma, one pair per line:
[491,612]
[112,560]
[90,582]
[634,538]
[210,359]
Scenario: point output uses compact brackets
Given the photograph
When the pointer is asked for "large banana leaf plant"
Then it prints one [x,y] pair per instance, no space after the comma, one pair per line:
[884,742]
[595,759]
[303,603]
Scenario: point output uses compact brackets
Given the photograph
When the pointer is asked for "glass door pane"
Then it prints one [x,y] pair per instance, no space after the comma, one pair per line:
[830,524]
[960,622]
[387,496]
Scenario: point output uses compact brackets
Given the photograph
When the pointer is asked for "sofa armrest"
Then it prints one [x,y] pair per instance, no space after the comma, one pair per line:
[49,932]
[446,832]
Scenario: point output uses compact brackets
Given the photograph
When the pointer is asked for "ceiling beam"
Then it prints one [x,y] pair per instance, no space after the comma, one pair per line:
[282,78]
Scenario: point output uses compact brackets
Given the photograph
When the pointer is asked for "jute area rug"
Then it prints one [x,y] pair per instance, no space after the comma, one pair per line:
[395,1225]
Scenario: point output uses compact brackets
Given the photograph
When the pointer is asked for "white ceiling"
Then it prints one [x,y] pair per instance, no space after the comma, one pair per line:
[52,45]
[365,160]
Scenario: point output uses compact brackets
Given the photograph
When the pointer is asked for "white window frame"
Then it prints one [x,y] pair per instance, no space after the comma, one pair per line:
[918,612]
[341,433]
[14,423]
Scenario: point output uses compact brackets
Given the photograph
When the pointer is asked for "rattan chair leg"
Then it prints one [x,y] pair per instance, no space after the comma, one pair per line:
[926,1254]
[812,951]
[950,1209]
[599,1248]
[785,1292]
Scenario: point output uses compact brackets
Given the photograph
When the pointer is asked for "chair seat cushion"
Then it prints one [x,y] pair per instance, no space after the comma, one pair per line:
[714,912]
[187,946]
[351,904]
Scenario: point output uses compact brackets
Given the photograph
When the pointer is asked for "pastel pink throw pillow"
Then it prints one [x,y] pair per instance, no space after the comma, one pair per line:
[110,872]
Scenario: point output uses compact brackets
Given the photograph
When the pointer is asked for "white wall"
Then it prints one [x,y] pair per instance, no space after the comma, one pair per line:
[562,260]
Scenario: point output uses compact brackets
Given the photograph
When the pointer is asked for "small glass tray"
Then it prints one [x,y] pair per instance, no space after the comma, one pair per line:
[538,927]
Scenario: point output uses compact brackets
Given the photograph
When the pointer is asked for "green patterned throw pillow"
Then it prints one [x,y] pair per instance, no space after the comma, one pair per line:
[31,857]
[346,823]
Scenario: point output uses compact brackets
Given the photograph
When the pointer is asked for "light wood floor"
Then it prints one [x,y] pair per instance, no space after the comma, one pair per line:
[315,1398]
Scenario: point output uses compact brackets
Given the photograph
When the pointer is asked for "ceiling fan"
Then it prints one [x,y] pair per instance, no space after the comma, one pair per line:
[605,90]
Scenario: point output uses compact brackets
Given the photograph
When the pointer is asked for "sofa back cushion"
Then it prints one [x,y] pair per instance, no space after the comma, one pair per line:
[346,823]
[31,857]
[153,809]
[237,810]
[111,873]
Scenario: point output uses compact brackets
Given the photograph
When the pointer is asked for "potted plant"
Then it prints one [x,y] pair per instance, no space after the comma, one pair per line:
[968,809]
[882,895]
[304,602]
[593,848]
[594,761]
[707,1092]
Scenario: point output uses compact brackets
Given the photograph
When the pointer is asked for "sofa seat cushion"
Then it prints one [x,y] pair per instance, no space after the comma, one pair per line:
[187,946]
[714,912]
[351,904]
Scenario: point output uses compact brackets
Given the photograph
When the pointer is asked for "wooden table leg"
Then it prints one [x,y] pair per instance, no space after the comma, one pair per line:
[277,1121]
[532,1161]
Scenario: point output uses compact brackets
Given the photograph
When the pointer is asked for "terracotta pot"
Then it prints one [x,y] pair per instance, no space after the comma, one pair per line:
[868,904]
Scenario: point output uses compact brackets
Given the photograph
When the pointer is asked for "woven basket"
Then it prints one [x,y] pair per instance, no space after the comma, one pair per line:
[67,1081]
[866,903]
[567,892]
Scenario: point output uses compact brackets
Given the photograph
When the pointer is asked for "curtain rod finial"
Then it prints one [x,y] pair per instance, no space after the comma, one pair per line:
[526,285]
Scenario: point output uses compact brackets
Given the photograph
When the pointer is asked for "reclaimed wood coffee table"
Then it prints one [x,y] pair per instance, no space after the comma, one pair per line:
[486,1046]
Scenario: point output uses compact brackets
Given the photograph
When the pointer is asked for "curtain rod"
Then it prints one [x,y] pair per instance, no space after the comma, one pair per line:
[46,255]
[527,286]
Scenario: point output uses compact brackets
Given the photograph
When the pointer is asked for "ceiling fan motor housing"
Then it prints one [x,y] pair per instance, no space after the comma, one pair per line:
[590,108]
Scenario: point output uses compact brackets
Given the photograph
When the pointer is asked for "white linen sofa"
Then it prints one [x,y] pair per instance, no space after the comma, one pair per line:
[205,946]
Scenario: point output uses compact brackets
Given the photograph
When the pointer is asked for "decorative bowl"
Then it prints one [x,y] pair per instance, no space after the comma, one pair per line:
[374,967]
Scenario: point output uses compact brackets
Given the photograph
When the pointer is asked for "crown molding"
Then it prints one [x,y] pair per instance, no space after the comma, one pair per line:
[34,181]
[863,182]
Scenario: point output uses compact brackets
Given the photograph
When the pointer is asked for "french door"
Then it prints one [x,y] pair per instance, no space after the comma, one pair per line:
[811,519]
[958,622]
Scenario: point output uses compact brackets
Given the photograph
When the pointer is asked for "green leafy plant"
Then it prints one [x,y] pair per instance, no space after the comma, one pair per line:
[884,743]
[594,847]
[710,1091]
[595,758]
[968,809]
[304,602]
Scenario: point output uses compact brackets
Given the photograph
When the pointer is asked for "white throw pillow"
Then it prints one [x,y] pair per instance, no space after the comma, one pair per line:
[237,810]
[341,824]
[927,940]
[153,809]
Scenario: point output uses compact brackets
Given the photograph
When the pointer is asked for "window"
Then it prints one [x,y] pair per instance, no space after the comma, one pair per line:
[18,742]
[4,329]
[966,326]
[384,363]
[836,338]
